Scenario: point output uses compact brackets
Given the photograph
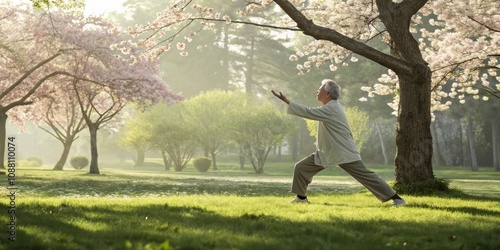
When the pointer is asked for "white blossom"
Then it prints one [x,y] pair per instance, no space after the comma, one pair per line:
[181,46]
[227,19]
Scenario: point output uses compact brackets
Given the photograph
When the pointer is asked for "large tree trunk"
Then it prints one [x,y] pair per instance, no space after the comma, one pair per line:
[472,144]
[413,139]
[3,137]
[94,168]
[64,156]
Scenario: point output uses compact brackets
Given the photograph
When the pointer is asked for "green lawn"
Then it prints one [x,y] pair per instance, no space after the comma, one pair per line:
[149,208]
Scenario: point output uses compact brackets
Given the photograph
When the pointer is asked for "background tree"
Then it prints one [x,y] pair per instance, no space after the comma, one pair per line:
[135,135]
[172,134]
[28,63]
[63,121]
[210,113]
[257,129]
[101,61]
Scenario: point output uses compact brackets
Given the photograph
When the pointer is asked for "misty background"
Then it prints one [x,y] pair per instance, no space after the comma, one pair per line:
[254,60]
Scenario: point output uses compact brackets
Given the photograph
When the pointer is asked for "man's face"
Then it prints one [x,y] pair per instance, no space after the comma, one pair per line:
[322,95]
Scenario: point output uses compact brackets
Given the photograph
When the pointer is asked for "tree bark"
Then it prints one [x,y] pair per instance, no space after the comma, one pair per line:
[472,144]
[3,136]
[64,156]
[94,167]
[413,138]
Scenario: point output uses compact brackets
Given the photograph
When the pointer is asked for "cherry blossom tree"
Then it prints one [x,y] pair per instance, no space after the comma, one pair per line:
[63,120]
[430,43]
[112,72]
[26,63]
[43,52]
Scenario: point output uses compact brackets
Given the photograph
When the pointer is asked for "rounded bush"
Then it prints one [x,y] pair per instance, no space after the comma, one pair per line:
[34,162]
[430,187]
[202,164]
[79,162]
[24,164]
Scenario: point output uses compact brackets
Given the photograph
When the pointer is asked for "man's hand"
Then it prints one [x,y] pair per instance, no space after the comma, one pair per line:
[281,96]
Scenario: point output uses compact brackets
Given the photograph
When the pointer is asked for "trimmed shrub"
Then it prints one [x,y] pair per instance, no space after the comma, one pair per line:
[34,162]
[202,164]
[79,162]
[430,187]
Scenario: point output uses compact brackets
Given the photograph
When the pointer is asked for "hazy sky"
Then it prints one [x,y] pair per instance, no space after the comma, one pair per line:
[98,7]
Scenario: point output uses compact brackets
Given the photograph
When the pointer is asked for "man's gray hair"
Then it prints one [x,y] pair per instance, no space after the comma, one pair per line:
[332,88]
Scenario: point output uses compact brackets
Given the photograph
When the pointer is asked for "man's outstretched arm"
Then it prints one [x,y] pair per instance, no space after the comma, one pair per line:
[281,96]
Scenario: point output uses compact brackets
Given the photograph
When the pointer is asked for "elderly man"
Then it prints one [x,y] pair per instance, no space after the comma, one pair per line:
[335,146]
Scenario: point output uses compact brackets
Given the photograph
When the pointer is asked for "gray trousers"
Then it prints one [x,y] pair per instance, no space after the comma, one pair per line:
[305,169]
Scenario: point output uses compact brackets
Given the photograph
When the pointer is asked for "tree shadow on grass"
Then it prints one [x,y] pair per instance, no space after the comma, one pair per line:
[88,185]
[69,226]
[461,209]
[455,193]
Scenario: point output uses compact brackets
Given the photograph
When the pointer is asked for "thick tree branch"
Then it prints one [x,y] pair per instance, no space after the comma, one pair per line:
[249,23]
[28,73]
[191,20]
[411,7]
[482,24]
[22,100]
[321,33]
[491,91]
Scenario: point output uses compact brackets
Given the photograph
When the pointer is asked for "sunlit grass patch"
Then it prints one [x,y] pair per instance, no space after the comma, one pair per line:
[265,222]
[75,210]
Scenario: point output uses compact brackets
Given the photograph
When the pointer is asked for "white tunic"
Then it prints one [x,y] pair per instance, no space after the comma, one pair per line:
[334,143]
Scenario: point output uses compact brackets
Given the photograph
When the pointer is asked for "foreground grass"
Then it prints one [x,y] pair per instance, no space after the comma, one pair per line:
[239,210]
